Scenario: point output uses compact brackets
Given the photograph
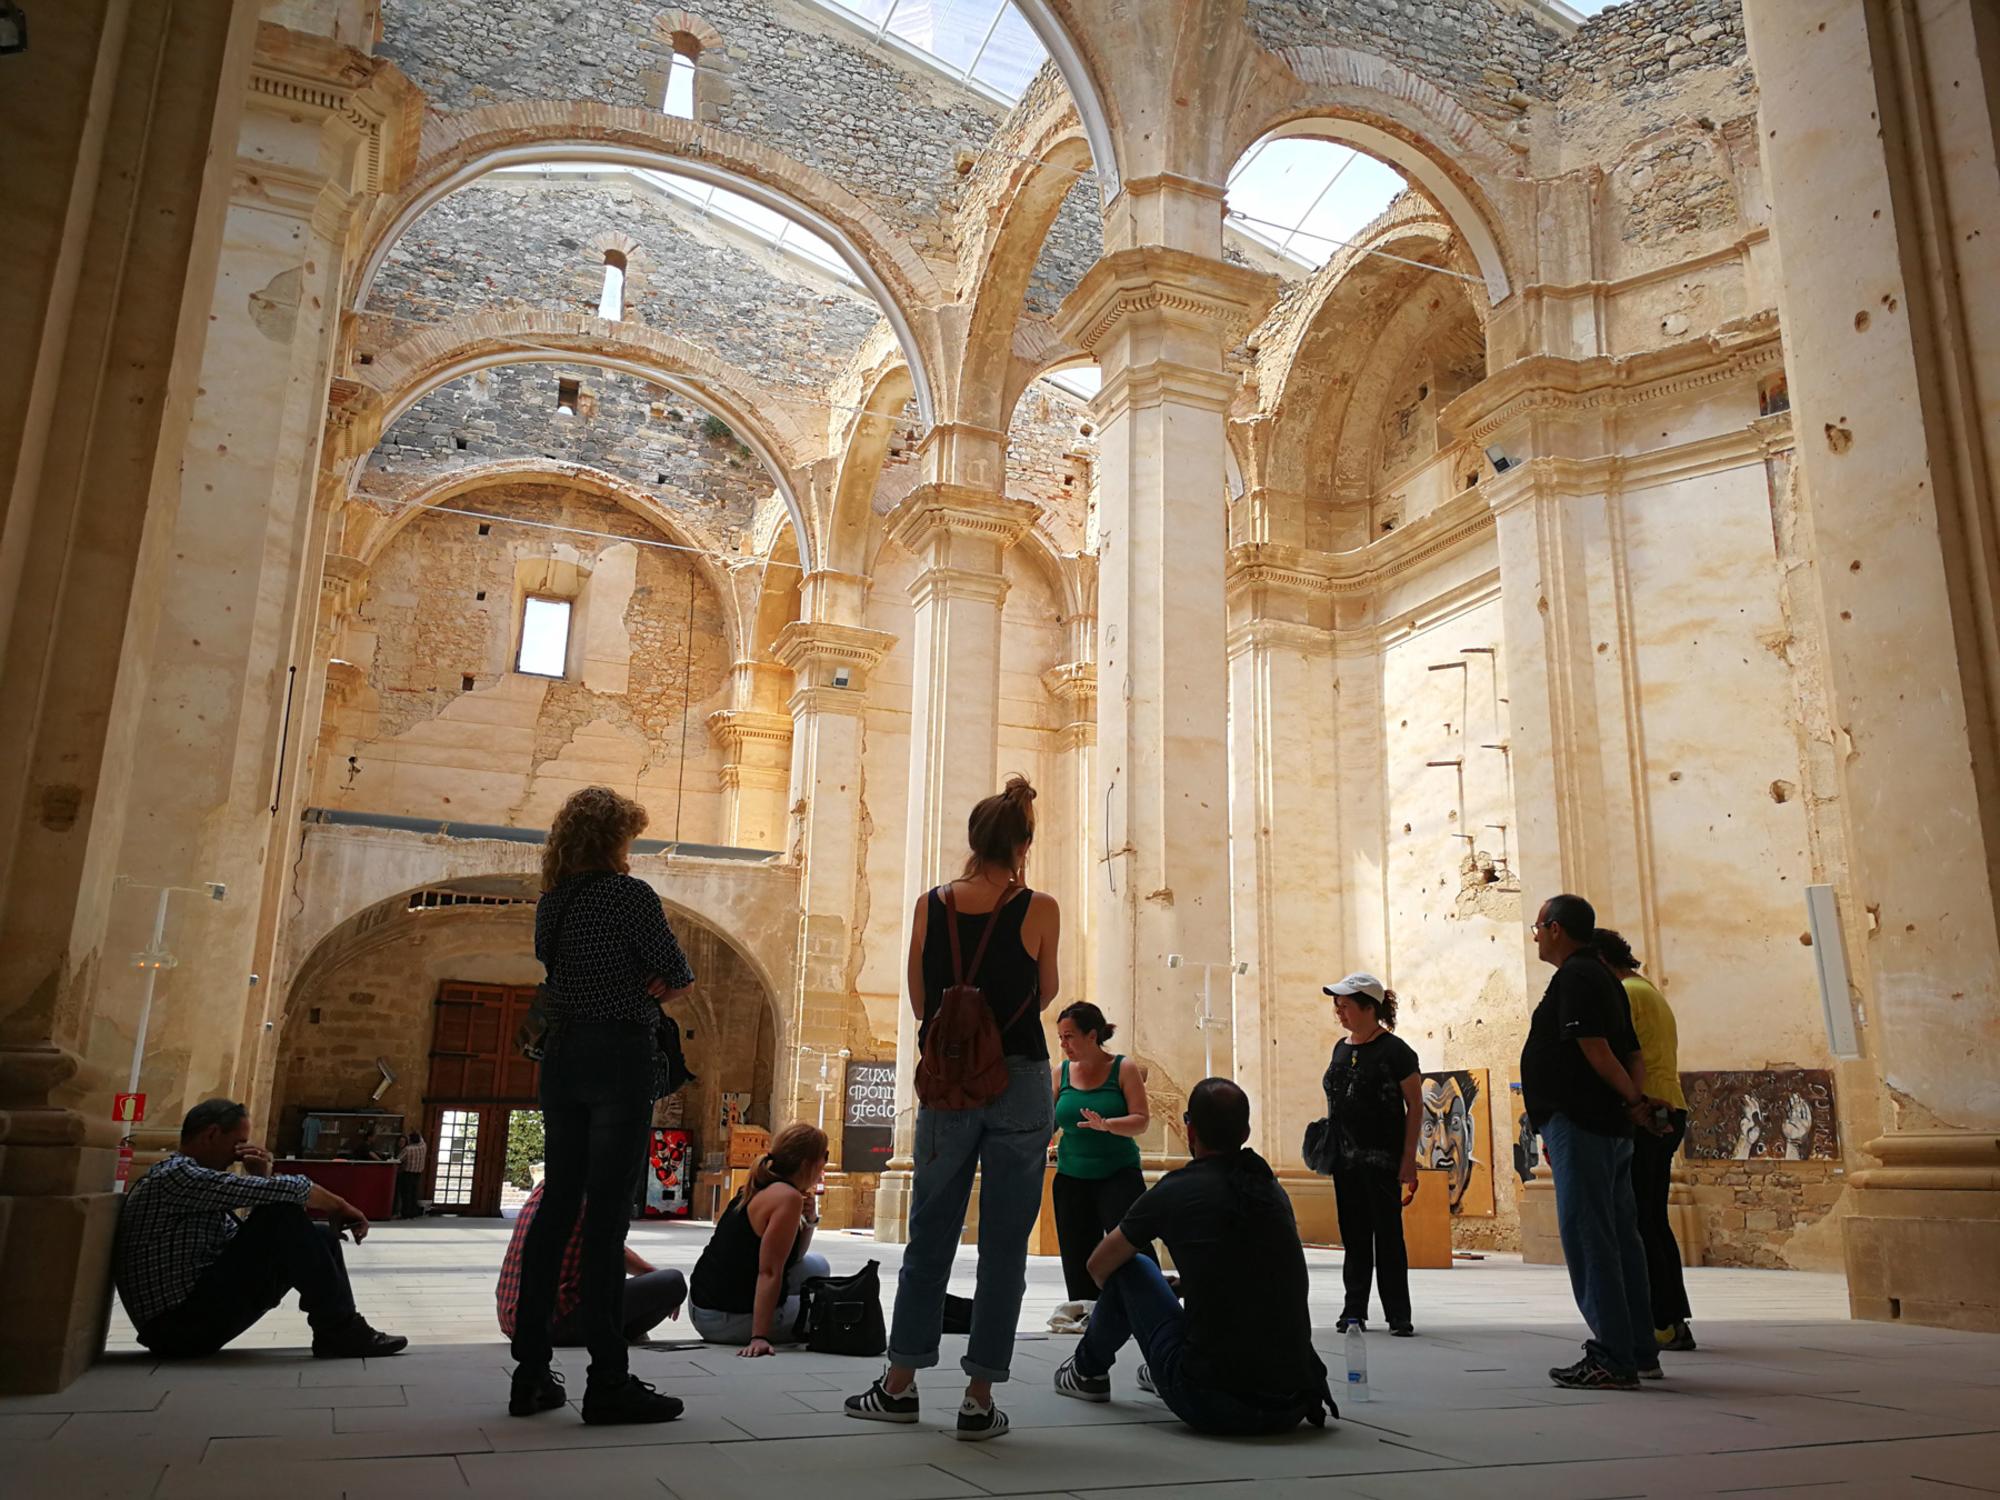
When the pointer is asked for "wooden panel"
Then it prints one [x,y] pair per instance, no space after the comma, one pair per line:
[472,1045]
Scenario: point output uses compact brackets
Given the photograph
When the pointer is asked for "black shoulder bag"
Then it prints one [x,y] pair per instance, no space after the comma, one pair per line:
[531,1037]
[843,1314]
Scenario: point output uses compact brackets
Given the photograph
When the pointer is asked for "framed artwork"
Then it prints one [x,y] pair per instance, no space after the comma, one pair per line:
[1774,1114]
[1457,1138]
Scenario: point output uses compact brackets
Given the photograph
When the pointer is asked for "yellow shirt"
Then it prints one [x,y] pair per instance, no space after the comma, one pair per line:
[1659,1040]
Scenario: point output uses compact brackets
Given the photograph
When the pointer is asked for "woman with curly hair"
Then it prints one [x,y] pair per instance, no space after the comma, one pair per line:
[612,962]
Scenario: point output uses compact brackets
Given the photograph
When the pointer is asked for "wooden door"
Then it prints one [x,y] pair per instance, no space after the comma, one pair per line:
[477,1080]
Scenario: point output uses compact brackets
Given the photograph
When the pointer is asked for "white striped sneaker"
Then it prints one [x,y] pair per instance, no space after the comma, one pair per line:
[976,1425]
[1146,1381]
[1071,1381]
[877,1404]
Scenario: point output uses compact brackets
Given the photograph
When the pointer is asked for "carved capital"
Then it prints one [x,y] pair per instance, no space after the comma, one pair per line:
[741,731]
[1151,284]
[948,525]
[818,652]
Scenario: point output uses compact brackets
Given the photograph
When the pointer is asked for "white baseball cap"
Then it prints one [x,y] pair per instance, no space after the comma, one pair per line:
[1360,984]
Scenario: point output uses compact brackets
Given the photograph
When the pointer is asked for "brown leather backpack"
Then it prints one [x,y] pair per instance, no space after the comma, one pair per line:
[964,1065]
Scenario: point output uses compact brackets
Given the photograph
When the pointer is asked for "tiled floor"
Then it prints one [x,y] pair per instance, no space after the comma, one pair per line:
[1786,1396]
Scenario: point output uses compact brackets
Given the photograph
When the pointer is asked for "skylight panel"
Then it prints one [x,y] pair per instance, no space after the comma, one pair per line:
[1081,381]
[1304,198]
[982,42]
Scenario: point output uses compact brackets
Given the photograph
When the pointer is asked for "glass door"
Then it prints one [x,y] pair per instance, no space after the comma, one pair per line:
[455,1135]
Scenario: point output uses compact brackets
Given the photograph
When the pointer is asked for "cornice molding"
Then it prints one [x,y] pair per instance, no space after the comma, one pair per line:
[945,585]
[1074,684]
[1263,634]
[805,644]
[1549,386]
[932,514]
[1150,279]
[734,728]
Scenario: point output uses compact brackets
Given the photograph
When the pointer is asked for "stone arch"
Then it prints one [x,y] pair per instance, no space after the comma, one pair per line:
[367,547]
[851,520]
[1051,30]
[466,146]
[1374,105]
[988,385]
[437,355]
[685,34]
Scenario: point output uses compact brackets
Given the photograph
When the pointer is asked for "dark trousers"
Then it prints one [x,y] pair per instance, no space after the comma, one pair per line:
[406,1194]
[277,1250]
[1087,1209]
[1652,1179]
[597,1106]
[1137,1305]
[650,1298]
[1369,1200]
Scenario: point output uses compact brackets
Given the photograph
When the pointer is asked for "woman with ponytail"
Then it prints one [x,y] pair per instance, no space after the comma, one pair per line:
[746,1285]
[1375,1108]
[987,933]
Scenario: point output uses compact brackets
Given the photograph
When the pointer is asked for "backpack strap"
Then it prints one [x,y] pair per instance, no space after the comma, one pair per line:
[959,973]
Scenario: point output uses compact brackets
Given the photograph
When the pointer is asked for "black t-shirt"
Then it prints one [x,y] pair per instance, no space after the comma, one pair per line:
[1364,1098]
[1583,999]
[1243,1276]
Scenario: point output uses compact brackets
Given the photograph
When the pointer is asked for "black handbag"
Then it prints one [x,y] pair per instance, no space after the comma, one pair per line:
[843,1314]
[531,1036]
[670,1069]
[1320,1147]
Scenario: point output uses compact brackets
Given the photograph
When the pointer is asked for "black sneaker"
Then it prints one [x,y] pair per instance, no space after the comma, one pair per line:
[1146,1381]
[1348,1320]
[1679,1338]
[876,1404]
[1589,1374]
[628,1404]
[535,1391]
[977,1424]
[1402,1331]
[357,1341]
[1071,1381]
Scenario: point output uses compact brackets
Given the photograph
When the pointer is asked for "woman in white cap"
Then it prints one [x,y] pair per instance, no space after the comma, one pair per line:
[1374,1108]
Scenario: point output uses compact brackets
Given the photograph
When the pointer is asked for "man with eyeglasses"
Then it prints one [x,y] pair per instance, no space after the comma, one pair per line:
[1584,1084]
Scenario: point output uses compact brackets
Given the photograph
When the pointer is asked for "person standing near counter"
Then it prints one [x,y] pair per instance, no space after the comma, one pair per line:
[410,1174]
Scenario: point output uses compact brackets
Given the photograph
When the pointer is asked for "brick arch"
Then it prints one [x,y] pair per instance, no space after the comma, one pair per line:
[368,547]
[672,23]
[762,417]
[1377,106]
[461,148]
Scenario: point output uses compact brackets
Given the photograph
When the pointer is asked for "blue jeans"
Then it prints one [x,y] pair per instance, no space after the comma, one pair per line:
[738,1327]
[1006,1142]
[1137,1304]
[1598,1218]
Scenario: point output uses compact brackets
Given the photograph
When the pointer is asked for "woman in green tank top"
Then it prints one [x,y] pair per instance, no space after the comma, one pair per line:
[1100,1108]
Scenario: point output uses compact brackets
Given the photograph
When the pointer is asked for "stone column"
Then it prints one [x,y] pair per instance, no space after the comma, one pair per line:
[755,734]
[1070,803]
[120,127]
[959,536]
[320,118]
[1159,322]
[1877,136]
[829,841]
[1284,838]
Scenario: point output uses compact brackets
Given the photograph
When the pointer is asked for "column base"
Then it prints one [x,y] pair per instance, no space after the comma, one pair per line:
[55,1288]
[1312,1205]
[1922,1240]
[1541,1241]
[892,1205]
[1690,1224]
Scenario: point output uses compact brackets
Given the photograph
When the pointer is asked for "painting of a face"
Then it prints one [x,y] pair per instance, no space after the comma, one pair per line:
[1451,1139]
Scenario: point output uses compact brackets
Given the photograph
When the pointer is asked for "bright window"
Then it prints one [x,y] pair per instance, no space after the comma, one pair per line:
[680,87]
[611,302]
[544,637]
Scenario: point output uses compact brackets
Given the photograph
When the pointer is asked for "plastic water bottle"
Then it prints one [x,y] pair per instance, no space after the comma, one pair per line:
[1357,1364]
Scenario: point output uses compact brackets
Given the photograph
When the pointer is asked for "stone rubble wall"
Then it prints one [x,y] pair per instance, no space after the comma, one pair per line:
[650,437]
[514,241]
[788,75]
[1637,51]
[1051,462]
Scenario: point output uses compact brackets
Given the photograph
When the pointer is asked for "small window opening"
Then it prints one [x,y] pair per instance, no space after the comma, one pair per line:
[680,79]
[480,596]
[567,393]
[312,1016]
[611,302]
[465,684]
[544,636]
[366,359]
[460,444]
[659,479]
[484,529]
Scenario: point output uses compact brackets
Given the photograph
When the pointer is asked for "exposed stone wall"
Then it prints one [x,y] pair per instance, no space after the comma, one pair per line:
[1050,461]
[638,432]
[1075,242]
[1771,1214]
[886,128]
[508,241]
[1637,51]
[404,733]
[1478,51]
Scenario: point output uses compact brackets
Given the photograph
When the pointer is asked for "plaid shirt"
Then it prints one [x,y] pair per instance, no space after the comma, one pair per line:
[569,1280]
[176,1221]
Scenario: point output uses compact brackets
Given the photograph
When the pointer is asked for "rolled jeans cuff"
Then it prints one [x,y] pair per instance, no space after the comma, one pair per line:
[913,1361]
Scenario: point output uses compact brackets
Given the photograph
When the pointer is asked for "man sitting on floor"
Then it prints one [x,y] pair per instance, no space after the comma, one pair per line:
[193,1276]
[651,1296]
[1239,1359]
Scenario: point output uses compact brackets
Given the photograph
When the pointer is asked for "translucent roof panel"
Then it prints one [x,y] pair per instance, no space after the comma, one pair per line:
[1307,198]
[982,42]
[1081,381]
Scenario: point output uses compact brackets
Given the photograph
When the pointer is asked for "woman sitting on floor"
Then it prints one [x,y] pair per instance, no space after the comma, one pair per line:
[746,1284]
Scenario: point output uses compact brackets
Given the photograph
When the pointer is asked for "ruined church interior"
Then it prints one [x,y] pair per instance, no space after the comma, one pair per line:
[1372,465]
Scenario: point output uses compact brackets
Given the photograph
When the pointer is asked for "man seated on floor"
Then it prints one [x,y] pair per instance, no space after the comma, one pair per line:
[651,1295]
[1238,1360]
[193,1275]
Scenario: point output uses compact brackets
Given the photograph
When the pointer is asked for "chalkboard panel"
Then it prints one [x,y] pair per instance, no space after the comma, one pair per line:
[868,1116]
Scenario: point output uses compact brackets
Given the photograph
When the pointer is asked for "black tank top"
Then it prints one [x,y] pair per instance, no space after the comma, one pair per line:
[725,1278]
[1008,974]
